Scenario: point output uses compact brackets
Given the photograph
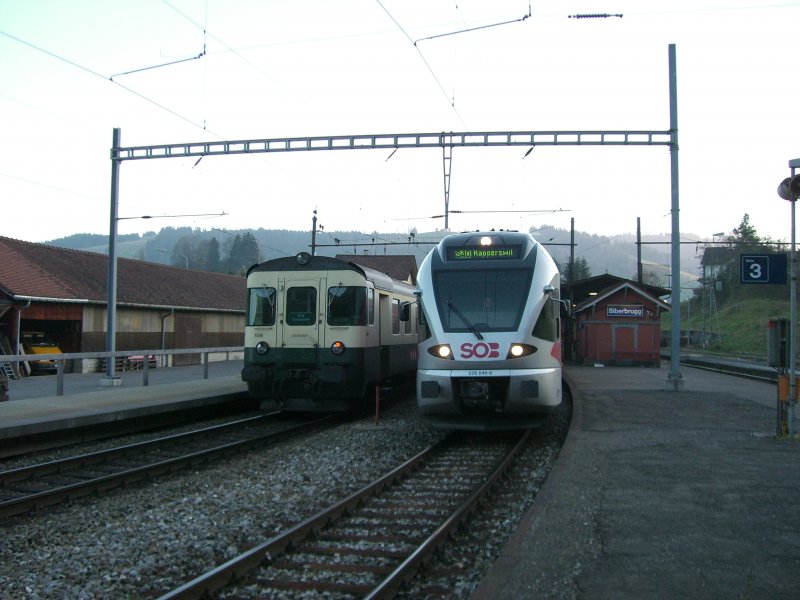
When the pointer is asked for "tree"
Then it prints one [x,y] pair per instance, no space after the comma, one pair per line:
[207,255]
[243,253]
[745,240]
[651,277]
[745,234]
[582,271]
[182,252]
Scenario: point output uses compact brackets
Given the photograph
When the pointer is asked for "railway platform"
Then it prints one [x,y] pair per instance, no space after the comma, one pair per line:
[35,413]
[661,494]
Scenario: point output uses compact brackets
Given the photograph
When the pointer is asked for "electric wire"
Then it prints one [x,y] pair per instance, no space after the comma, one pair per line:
[477,28]
[224,45]
[450,100]
[101,76]
[158,66]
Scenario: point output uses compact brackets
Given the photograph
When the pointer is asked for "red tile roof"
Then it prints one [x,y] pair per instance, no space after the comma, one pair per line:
[39,271]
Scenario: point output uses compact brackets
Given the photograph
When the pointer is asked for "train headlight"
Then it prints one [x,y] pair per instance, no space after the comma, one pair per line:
[441,351]
[262,348]
[337,348]
[520,350]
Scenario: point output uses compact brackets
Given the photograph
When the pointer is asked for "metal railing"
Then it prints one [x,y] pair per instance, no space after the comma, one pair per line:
[141,359]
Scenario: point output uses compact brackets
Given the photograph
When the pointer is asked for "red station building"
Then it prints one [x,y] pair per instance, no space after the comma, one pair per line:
[614,321]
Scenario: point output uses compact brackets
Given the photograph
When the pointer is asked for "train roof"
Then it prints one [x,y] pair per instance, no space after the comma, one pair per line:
[473,237]
[503,240]
[305,262]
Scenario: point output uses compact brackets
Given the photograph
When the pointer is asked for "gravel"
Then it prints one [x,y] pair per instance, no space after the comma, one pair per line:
[143,541]
[148,539]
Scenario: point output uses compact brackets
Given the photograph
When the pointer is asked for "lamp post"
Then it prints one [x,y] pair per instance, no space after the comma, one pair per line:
[789,189]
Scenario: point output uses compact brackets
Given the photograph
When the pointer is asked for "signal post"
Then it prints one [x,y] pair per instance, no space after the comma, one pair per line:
[789,189]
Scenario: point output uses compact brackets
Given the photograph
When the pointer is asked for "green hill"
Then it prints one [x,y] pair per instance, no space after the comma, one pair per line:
[741,324]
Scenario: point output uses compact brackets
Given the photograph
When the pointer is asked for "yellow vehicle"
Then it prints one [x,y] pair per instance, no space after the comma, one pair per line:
[37,342]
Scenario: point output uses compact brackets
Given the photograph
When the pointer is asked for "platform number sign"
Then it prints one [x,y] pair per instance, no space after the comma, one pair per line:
[763,268]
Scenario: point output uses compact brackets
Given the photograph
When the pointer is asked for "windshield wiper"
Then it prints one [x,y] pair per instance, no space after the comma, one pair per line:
[466,321]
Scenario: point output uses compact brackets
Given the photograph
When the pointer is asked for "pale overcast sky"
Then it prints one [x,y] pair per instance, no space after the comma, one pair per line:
[280,68]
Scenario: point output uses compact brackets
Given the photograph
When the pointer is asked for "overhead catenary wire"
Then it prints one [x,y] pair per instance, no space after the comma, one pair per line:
[223,44]
[450,99]
[101,76]
[158,66]
[477,28]
[595,16]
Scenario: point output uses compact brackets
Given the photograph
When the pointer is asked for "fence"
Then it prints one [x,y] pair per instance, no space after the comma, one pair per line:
[142,360]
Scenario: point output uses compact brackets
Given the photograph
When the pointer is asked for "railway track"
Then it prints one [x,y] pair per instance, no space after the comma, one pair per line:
[728,366]
[45,484]
[372,542]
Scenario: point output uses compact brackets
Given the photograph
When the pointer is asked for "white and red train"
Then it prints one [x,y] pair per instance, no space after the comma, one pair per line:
[490,348]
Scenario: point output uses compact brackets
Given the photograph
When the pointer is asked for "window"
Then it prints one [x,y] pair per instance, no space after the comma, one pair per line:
[484,299]
[301,306]
[395,316]
[347,305]
[423,330]
[371,306]
[407,322]
[548,324]
[261,308]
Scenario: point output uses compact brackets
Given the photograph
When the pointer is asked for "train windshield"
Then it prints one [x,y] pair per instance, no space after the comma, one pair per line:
[347,305]
[301,306]
[481,299]
[261,308]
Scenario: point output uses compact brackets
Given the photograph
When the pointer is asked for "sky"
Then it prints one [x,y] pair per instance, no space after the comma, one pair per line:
[179,71]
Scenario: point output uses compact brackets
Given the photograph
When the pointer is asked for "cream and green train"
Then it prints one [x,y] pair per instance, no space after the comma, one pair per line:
[321,333]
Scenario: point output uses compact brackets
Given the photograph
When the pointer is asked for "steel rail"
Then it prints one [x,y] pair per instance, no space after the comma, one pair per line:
[59,494]
[91,458]
[236,568]
[409,567]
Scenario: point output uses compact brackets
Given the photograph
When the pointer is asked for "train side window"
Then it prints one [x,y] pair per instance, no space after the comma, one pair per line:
[395,316]
[261,308]
[547,324]
[301,306]
[405,316]
[347,305]
[371,306]
[423,330]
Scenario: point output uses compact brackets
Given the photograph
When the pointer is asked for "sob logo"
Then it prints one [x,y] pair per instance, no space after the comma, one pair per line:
[480,350]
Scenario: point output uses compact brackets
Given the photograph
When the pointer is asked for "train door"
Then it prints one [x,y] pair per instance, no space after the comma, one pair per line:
[301,311]
[389,330]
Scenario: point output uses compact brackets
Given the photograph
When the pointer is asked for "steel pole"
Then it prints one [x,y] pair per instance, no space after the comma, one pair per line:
[111,326]
[674,379]
[790,404]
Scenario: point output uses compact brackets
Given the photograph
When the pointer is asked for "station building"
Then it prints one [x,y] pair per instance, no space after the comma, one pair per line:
[614,321]
[64,294]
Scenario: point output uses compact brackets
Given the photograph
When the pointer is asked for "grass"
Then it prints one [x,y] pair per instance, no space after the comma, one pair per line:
[742,324]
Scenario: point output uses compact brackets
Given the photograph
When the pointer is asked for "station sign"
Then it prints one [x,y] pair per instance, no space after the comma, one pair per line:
[763,268]
[625,310]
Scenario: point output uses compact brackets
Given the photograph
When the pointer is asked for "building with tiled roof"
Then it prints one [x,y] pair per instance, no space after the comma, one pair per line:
[64,293]
[613,321]
[402,267]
